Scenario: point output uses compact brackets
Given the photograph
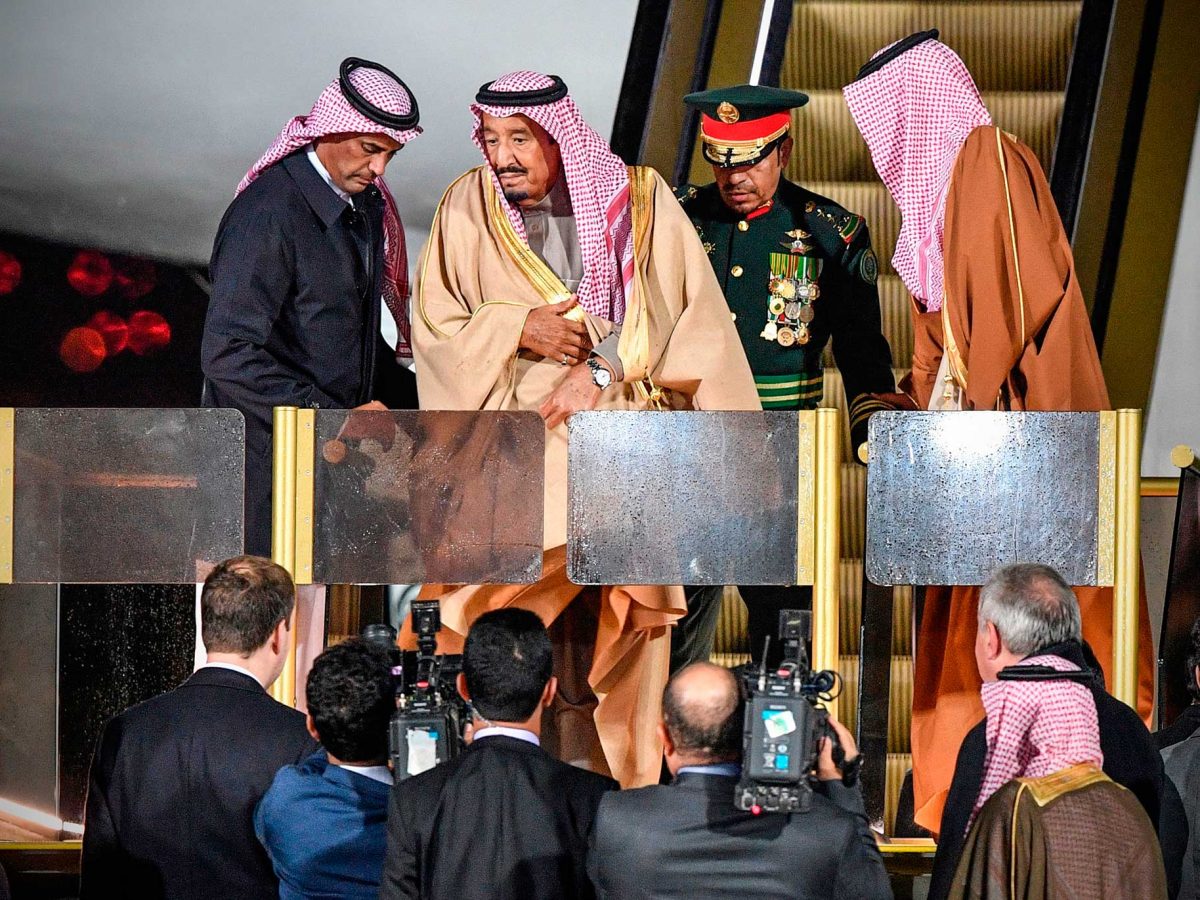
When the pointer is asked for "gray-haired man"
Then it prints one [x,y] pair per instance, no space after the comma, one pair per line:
[1028,610]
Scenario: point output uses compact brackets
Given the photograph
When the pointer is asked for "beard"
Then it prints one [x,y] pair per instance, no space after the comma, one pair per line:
[516,196]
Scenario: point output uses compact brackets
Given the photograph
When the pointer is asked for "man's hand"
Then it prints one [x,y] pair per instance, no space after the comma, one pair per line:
[826,770]
[548,334]
[366,422]
[576,392]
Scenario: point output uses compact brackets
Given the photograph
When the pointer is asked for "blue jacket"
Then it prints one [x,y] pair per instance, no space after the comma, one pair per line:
[325,830]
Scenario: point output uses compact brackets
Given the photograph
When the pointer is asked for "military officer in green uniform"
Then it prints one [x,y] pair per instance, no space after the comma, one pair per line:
[798,271]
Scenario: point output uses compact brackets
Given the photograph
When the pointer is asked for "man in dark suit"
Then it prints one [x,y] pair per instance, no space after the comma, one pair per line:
[503,819]
[174,780]
[687,839]
[323,821]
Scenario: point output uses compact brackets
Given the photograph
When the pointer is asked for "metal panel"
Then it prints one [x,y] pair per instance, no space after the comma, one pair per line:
[682,498]
[126,495]
[29,695]
[953,496]
[405,497]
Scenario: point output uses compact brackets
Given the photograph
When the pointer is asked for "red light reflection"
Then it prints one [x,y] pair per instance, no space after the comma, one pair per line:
[148,332]
[136,278]
[112,328]
[90,273]
[10,273]
[82,350]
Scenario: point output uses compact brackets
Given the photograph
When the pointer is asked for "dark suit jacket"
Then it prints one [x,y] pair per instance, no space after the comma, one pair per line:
[294,315]
[1179,730]
[1182,761]
[1130,759]
[687,839]
[172,791]
[503,821]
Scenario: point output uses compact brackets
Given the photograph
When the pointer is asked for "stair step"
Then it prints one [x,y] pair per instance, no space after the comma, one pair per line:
[1006,46]
[850,614]
[829,146]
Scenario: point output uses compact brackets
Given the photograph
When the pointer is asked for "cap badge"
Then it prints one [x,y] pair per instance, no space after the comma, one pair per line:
[727,112]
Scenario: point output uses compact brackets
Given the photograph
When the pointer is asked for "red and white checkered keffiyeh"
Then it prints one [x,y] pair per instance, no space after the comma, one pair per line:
[915,114]
[598,182]
[1037,728]
[333,114]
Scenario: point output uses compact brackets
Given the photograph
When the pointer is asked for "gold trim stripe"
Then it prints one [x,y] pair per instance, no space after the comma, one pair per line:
[806,510]
[826,592]
[1106,528]
[1126,593]
[283,530]
[7,463]
[306,451]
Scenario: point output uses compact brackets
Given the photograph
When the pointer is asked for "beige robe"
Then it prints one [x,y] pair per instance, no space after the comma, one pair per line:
[477,281]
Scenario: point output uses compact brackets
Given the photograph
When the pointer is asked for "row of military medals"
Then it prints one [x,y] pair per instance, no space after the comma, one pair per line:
[793,288]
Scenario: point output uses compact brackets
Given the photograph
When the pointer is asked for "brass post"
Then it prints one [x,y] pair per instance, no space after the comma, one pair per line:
[7,462]
[283,531]
[826,594]
[1126,594]
[306,448]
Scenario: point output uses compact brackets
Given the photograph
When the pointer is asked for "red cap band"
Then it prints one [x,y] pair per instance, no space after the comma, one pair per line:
[745,130]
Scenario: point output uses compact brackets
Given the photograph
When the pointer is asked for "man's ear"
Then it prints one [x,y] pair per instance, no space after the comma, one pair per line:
[312,727]
[993,643]
[665,737]
[549,692]
[785,148]
[460,683]
[279,637]
[1196,676]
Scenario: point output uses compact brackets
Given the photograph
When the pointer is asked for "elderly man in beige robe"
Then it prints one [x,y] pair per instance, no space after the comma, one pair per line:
[557,279]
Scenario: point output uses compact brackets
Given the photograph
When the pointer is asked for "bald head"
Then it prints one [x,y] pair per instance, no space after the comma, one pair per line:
[702,714]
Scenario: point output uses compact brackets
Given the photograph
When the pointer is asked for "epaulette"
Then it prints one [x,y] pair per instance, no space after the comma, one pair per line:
[836,229]
[845,224]
[685,193]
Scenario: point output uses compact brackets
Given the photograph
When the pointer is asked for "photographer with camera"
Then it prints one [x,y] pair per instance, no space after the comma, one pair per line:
[689,839]
[323,821]
[503,819]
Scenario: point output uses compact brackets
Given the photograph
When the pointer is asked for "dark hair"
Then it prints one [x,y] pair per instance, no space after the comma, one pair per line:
[709,730]
[351,698]
[1193,661]
[243,599]
[507,661]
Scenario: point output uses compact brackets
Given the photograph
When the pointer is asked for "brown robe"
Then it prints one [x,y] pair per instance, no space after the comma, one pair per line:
[679,349]
[1071,834]
[1015,343]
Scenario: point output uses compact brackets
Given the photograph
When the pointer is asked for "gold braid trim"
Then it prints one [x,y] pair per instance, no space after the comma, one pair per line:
[541,276]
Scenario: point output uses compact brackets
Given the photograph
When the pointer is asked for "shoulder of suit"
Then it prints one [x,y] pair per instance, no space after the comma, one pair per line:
[842,235]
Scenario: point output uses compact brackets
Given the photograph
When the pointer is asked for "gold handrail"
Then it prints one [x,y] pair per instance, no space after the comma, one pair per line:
[826,592]
[1126,594]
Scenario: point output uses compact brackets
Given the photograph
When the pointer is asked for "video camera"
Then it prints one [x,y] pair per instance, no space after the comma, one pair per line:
[784,724]
[427,726]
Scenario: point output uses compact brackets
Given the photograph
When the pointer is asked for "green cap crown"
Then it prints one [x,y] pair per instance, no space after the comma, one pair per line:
[752,101]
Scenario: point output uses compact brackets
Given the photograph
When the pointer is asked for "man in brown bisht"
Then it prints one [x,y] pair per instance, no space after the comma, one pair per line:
[1047,822]
[557,279]
[999,324]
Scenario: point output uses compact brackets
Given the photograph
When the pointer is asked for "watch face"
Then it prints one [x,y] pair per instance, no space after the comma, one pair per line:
[601,377]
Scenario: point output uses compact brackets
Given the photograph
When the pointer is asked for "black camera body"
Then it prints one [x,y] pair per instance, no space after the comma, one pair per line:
[427,726]
[784,725]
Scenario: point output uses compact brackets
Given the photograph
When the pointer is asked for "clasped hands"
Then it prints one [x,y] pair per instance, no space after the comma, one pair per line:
[549,334]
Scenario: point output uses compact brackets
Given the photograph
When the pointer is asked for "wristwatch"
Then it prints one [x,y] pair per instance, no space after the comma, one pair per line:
[601,377]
